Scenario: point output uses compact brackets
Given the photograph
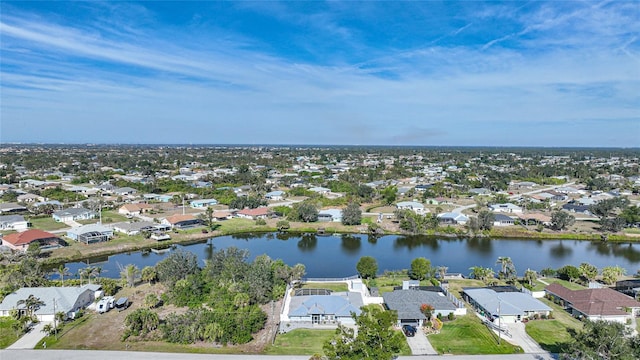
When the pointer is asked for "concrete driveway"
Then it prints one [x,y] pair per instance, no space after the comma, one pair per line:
[30,339]
[520,337]
[419,344]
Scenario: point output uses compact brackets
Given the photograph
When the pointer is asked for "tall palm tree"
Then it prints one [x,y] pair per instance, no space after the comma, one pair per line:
[83,273]
[31,303]
[442,271]
[62,271]
[504,262]
[94,272]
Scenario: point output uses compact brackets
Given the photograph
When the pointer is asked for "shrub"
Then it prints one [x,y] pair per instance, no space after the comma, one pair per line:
[451,317]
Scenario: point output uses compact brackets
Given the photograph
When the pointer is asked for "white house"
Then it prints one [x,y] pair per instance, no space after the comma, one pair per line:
[414,206]
[203,203]
[510,307]
[502,220]
[453,218]
[275,195]
[506,208]
[73,214]
[68,300]
[334,215]
[13,222]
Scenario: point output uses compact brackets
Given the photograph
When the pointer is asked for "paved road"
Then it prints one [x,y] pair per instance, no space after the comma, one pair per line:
[30,339]
[110,355]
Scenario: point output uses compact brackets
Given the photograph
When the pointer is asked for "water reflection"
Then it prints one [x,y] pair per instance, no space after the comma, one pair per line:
[560,251]
[308,242]
[414,241]
[480,245]
[350,243]
[623,250]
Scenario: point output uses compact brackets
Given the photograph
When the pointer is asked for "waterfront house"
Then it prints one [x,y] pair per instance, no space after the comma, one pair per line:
[331,215]
[407,302]
[134,228]
[91,233]
[508,304]
[257,213]
[595,304]
[414,206]
[505,208]
[502,220]
[453,218]
[329,308]
[182,221]
[22,240]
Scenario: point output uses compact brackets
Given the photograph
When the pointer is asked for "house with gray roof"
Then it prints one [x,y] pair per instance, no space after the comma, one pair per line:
[508,306]
[13,222]
[11,208]
[414,206]
[91,233]
[73,214]
[134,228]
[68,300]
[453,218]
[502,220]
[330,215]
[407,304]
[332,309]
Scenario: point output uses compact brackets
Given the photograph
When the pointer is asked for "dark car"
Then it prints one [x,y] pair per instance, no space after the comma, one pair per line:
[409,330]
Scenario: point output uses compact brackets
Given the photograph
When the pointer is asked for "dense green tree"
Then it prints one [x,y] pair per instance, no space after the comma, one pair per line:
[375,338]
[588,271]
[140,322]
[569,272]
[304,211]
[483,274]
[420,269]
[485,220]
[611,274]
[352,215]
[603,340]
[560,220]
[389,194]
[367,267]
[177,265]
[530,276]
[149,274]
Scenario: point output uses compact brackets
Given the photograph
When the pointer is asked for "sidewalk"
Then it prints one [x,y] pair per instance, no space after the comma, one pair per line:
[30,339]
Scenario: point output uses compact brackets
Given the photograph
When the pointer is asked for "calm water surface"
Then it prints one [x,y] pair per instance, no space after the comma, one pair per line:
[336,256]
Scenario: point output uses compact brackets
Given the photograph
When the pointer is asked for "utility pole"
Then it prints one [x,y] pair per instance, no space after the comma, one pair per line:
[499,323]
[55,325]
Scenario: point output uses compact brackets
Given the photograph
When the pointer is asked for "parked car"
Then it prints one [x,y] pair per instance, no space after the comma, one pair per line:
[408,330]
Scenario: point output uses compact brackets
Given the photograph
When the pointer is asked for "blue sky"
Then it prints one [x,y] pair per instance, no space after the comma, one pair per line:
[561,73]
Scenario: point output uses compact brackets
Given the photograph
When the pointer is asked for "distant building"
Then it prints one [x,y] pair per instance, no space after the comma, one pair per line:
[414,206]
[453,218]
[73,214]
[91,233]
[182,221]
[505,208]
[13,222]
[203,203]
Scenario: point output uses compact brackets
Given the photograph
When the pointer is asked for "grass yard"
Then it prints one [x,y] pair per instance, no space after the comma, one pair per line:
[300,342]
[467,335]
[336,287]
[47,224]
[7,334]
[552,334]
[568,285]
[110,216]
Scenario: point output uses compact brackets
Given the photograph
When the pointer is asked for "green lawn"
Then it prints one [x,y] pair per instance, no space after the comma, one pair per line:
[110,216]
[337,287]
[7,334]
[568,285]
[300,342]
[47,224]
[467,335]
[552,334]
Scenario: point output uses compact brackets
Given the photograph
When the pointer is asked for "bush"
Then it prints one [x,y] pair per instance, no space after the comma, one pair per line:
[451,317]
[261,222]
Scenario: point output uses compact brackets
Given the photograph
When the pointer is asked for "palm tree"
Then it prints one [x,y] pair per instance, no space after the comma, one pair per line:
[83,273]
[442,271]
[94,272]
[504,262]
[129,274]
[31,303]
[62,271]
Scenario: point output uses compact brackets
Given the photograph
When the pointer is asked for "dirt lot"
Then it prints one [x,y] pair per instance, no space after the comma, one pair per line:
[104,331]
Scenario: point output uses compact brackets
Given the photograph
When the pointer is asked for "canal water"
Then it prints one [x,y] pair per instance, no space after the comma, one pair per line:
[337,255]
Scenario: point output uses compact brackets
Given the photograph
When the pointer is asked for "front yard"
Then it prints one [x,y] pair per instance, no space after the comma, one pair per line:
[553,334]
[467,335]
[300,342]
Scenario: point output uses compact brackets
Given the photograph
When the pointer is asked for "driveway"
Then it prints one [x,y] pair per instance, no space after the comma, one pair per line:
[520,337]
[420,345]
[30,339]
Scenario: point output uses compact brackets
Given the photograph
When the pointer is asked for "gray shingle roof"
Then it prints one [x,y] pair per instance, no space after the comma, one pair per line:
[65,297]
[407,302]
[510,303]
[338,305]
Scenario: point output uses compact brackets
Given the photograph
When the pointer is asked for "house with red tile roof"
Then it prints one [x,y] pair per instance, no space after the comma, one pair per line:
[22,240]
[595,304]
[257,213]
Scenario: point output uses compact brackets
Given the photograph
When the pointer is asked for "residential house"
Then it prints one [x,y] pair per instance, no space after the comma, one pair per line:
[414,206]
[182,221]
[480,191]
[534,218]
[257,213]
[91,233]
[134,228]
[134,209]
[576,208]
[73,214]
[325,309]
[505,208]
[502,220]
[8,208]
[510,306]
[453,218]
[320,190]
[203,203]
[157,197]
[334,215]
[595,304]
[67,300]
[222,215]
[407,303]
[13,222]
[630,287]
[29,198]
[125,191]
[22,240]
[275,195]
